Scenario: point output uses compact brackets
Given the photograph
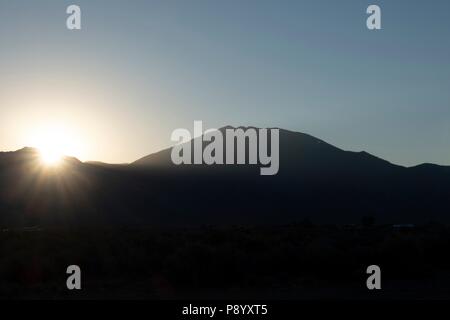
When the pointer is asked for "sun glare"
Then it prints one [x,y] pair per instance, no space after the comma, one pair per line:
[50,157]
[55,142]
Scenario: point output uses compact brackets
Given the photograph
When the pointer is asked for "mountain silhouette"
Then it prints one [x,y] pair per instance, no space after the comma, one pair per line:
[299,152]
[316,181]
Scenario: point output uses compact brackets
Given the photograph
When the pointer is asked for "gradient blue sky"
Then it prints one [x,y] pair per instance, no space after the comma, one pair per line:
[140,69]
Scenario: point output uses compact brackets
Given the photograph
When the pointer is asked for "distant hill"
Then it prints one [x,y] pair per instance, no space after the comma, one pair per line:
[298,152]
[316,181]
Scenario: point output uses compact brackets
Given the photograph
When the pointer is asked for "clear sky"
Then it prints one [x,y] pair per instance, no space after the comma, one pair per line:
[140,69]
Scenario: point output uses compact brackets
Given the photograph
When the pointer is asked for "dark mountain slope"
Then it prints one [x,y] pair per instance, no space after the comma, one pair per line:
[316,181]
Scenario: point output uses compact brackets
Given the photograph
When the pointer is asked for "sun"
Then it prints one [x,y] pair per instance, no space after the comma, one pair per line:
[50,157]
[54,143]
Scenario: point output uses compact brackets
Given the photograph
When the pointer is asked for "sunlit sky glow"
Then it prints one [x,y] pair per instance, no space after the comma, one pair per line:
[140,69]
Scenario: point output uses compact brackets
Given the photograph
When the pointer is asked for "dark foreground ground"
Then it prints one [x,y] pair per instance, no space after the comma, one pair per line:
[300,261]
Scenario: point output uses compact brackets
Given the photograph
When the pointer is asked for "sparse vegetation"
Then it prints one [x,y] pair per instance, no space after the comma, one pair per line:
[295,261]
